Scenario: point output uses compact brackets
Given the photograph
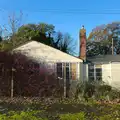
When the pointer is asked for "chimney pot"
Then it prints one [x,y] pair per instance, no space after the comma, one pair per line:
[82,26]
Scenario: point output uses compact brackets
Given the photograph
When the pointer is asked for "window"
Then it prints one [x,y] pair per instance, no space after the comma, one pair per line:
[91,72]
[95,72]
[59,70]
[73,71]
[98,73]
[67,71]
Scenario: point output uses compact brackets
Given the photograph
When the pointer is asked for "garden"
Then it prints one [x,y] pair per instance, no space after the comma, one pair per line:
[87,104]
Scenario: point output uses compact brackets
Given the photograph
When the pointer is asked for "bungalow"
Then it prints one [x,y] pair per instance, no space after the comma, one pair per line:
[65,66]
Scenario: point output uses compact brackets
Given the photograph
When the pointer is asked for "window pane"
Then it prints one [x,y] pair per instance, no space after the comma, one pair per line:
[98,69]
[99,74]
[91,73]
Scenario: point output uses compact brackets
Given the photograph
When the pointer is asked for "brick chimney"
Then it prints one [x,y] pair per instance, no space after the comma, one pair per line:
[82,38]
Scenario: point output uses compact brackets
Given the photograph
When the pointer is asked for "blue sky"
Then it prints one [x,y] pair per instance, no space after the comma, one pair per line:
[64,22]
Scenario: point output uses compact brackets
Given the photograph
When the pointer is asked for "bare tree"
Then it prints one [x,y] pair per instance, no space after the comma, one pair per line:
[14,22]
[65,43]
[58,37]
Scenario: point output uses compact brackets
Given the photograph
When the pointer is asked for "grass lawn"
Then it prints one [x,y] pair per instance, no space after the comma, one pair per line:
[56,109]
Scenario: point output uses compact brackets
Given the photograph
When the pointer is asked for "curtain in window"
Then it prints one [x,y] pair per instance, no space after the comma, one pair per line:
[73,71]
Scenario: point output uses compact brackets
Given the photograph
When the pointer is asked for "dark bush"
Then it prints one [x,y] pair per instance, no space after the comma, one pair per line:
[30,78]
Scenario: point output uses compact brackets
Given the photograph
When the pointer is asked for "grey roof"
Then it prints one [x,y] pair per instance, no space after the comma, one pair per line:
[104,58]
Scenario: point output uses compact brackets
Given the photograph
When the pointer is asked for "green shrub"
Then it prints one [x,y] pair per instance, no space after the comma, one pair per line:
[107,117]
[98,89]
[77,116]
[114,94]
[30,115]
[104,88]
[85,89]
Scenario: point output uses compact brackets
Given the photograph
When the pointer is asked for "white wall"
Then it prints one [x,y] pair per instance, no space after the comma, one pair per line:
[83,71]
[111,74]
[106,73]
[115,71]
[78,71]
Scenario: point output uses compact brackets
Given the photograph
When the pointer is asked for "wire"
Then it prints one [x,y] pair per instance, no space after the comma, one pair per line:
[73,11]
[76,11]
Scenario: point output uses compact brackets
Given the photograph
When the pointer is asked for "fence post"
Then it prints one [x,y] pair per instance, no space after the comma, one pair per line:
[12,84]
[64,79]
